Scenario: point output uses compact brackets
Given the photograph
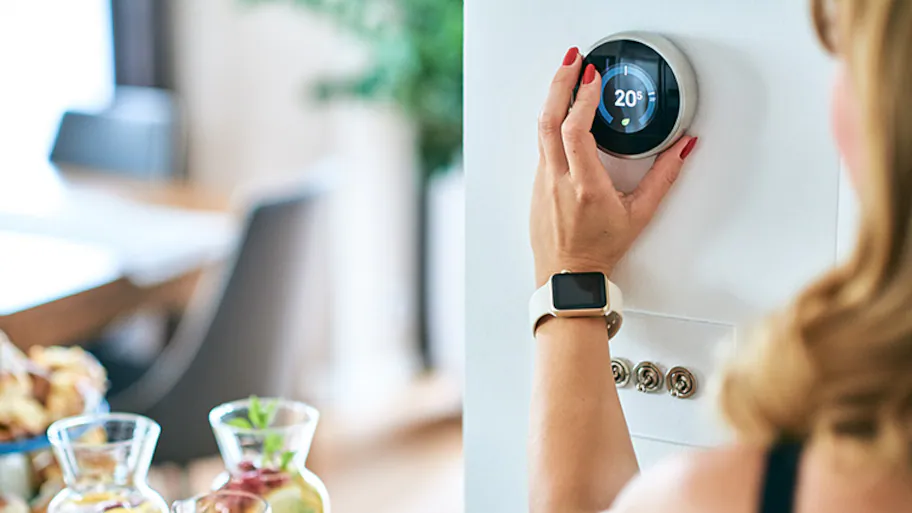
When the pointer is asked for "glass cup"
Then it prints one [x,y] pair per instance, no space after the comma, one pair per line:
[224,501]
[105,459]
[267,457]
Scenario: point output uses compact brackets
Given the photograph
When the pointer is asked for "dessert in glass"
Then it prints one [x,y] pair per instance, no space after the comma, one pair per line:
[224,501]
[105,460]
[264,444]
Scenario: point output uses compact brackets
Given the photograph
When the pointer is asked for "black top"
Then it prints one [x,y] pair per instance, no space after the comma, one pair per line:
[780,483]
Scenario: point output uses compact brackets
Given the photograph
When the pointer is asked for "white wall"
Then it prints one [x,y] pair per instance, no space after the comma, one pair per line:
[753,218]
[243,72]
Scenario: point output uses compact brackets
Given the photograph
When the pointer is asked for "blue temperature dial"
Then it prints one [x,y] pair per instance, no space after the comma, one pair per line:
[628,98]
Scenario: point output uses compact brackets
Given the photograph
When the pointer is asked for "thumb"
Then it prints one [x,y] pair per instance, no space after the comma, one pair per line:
[647,197]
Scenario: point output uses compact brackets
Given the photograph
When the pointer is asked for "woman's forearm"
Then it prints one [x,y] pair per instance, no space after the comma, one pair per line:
[581,454]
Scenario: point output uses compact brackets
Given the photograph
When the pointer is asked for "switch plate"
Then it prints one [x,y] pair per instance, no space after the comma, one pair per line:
[669,342]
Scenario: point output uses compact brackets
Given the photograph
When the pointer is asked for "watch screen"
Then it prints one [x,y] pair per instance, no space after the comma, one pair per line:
[581,291]
[628,98]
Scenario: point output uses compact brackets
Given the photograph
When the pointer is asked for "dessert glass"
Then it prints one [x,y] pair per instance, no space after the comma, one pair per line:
[225,501]
[266,456]
[105,460]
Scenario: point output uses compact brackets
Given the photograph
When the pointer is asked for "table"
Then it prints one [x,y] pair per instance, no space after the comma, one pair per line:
[69,319]
[172,194]
[63,278]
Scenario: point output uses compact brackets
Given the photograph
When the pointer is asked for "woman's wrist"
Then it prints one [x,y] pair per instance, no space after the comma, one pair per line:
[551,326]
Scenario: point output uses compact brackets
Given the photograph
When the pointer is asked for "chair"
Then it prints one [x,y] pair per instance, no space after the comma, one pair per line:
[138,135]
[237,345]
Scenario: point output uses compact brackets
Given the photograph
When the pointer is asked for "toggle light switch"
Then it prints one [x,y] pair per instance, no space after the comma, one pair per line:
[681,383]
[648,377]
[620,369]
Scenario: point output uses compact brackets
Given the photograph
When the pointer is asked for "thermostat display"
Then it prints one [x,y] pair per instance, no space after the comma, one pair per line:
[649,94]
[629,98]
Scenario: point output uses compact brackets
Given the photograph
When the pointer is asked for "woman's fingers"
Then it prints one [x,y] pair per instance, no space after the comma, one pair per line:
[555,112]
[579,143]
[645,200]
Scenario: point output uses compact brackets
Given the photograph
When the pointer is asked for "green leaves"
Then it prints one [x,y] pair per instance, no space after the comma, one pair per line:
[416,62]
[240,422]
[286,458]
[261,417]
[254,412]
[272,444]
[269,413]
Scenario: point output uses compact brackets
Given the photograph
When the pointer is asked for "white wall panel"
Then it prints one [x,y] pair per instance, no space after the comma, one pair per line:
[668,342]
[650,452]
[752,219]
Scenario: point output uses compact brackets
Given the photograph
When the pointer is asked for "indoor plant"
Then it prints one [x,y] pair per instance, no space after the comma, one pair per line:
[415,64]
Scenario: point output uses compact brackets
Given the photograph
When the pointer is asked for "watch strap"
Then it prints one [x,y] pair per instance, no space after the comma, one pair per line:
[542,305]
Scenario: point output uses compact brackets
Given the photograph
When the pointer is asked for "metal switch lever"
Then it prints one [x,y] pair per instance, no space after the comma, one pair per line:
[648,377]
[681,383]
[620,369]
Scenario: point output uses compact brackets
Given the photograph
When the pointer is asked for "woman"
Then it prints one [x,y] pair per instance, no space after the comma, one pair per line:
[822,403]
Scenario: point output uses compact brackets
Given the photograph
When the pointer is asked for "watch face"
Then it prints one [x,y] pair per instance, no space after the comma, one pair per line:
[579,291]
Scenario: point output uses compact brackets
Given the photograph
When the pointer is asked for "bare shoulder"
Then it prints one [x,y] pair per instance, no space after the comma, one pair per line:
[726,479]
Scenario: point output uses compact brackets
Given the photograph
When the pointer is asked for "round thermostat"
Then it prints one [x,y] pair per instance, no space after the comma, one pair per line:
[649,94]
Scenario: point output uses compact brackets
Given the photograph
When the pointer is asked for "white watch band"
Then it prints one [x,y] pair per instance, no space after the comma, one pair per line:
[542,305]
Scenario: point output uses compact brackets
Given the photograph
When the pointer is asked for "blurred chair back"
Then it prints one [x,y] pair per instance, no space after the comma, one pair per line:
[139,136]
[238,345]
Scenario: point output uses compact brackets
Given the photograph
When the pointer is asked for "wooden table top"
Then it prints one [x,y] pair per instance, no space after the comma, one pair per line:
[171,194]
[61,289]
[36,269]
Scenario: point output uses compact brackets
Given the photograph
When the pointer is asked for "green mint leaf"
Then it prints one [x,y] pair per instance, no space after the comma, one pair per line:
[287,456]
[255,412]
[240,422]
[272,444]
[269,413]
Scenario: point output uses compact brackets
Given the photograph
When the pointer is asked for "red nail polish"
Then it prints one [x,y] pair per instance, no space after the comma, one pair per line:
[589,75]
[570,58]
[689,148]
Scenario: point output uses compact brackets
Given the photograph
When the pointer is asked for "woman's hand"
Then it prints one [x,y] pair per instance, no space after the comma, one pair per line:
[581,454]
[579,221]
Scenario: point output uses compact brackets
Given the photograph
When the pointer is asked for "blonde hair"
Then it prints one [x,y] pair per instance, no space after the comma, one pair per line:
[838,361]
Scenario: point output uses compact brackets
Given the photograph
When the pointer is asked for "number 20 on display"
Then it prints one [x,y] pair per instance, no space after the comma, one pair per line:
[627,98]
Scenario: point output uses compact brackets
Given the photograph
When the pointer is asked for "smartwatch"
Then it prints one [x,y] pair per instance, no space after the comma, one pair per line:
[570,294]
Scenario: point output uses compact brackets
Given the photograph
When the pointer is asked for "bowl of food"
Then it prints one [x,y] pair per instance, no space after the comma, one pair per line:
[48,384]
[36,389]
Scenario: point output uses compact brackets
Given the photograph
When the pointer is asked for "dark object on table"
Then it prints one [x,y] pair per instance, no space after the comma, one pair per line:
[139,135]
[237,344]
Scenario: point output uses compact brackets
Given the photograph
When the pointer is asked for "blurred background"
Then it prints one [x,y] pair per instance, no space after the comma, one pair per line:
[219,198]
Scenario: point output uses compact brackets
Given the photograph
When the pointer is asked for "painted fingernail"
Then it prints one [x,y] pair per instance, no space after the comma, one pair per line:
[570,58]
[689,148]
[589,75]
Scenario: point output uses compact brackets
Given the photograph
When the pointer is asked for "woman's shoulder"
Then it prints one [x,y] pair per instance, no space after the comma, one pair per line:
[725,479]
